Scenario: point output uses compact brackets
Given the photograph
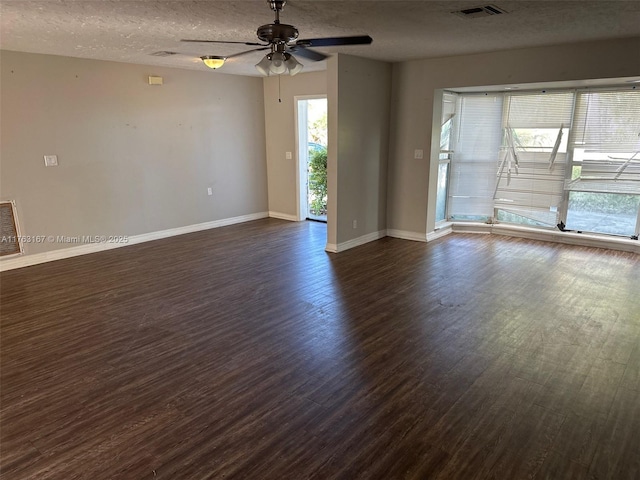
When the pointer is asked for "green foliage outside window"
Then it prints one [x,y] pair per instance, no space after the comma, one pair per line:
[606,203]
[318,181]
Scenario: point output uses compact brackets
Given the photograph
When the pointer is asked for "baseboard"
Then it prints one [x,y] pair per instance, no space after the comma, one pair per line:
[406,235]
[331,248]
[471,227]
[568,238]
[283,216]
[439,232]
[341,247]
[28,260]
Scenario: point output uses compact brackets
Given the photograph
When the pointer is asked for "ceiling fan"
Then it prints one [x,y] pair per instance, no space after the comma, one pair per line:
[282,40]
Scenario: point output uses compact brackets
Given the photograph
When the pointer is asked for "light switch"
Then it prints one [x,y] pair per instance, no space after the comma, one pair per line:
[50,160]
[418,154]
[288,156]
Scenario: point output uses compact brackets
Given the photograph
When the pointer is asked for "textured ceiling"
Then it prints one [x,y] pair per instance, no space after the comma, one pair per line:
[129,31]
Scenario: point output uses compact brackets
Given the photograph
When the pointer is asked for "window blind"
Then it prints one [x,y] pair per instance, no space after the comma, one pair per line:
[448,112]
[448,106]
[539,110]
[606,142]
[531,185]
[477,124]
[608,121]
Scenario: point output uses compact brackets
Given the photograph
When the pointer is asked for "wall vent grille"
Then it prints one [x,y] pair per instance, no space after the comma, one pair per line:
[477,12]
[9,236]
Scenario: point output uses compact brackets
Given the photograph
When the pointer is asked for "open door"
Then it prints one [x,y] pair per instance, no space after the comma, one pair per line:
[311,122]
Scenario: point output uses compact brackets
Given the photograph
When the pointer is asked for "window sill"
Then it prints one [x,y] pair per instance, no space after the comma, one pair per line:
[570,238]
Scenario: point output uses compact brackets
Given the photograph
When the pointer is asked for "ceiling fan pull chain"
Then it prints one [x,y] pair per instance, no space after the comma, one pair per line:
[279,94]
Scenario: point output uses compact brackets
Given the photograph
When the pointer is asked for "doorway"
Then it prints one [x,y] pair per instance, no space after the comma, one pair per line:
[311,113]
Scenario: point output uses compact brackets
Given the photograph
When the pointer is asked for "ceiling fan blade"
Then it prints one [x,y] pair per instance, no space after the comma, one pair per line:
[224,41]
[246,51]
[307,53]
[335,41]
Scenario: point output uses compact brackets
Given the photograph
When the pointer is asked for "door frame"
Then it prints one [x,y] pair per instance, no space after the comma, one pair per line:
[302,155]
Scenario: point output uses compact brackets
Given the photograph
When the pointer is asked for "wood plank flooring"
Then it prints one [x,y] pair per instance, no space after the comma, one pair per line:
[247,352]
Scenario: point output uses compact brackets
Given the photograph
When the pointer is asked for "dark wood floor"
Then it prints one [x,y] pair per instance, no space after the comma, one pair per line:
[247,352]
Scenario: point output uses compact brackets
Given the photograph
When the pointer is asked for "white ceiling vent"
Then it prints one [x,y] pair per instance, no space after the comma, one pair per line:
[163,53]
[477,12]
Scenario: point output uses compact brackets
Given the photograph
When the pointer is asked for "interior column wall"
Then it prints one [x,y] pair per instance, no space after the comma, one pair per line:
[359,106]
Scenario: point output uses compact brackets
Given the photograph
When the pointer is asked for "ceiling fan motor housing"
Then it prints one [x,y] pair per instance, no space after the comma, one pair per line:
[277,5]
[277,33]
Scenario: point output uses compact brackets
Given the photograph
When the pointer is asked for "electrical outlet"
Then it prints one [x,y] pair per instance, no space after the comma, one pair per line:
[418,154]
[50,160]
[288,155]
[209,191]
[355,224]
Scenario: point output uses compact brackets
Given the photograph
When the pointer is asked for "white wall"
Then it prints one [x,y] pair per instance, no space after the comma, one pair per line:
[359,110]
[134,158]
[416,85]
[280,132]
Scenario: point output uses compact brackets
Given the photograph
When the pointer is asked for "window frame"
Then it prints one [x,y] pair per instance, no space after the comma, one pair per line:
[571,162]
[570,159]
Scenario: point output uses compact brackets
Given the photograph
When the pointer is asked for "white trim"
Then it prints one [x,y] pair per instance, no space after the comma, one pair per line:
[567,238]
[331,248]
[27,260]
[440,232]
[406,235]
[369,237]
[302,154]
[471,227]
[283,216]
[301,199]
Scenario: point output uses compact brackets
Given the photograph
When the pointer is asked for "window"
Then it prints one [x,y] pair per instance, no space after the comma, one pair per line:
[604,188]
[443,181]
[476,142]
[533,158]
[541,158]
[448,114]
[610,213]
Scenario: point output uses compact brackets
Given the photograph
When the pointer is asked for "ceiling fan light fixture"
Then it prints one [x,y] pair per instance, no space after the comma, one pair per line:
[278,66]
[292,64]
[213,61]
[281,38]
[263,66]
[277,63]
